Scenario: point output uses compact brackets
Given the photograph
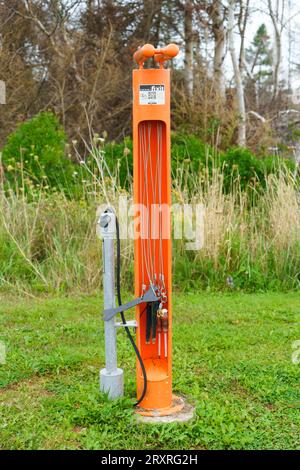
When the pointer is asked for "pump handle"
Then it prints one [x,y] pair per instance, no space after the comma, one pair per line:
[144,53]
[167,53]
[160,55]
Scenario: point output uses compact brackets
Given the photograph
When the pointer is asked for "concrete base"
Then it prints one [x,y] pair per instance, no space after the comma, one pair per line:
[112,383]
[185,414]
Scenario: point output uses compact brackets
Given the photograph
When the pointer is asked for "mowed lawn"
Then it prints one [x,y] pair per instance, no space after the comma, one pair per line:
[232,360]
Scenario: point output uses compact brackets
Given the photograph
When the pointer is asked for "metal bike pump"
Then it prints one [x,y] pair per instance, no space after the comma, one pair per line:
[111,378]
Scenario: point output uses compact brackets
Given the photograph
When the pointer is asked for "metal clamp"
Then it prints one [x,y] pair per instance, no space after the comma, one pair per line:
[128,324]
[106,225]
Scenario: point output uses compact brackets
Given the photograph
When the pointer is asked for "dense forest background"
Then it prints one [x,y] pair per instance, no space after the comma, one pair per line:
[74,57]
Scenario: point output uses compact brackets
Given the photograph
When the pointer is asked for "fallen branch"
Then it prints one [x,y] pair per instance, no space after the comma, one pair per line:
[257,116]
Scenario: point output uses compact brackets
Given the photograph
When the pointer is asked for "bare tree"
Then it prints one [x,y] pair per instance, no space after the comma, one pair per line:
[217,13]
[277,12]
[237,75]
[189,46]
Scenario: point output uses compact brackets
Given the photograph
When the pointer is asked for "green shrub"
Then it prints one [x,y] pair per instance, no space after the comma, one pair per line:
[34,154]
[272,164]
[241,162]
[189,149]
[186,150]
[190,152]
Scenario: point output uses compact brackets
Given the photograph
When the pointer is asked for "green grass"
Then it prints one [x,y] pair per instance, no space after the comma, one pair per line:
[232,360]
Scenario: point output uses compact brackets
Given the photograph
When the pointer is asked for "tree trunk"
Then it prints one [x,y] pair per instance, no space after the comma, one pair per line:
[188,36]
[237,77]
[277,61]
[219,33]
[277,22]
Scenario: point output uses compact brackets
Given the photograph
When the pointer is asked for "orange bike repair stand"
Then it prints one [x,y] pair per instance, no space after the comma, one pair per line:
[152,246]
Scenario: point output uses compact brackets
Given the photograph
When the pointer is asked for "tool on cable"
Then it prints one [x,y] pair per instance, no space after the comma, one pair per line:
[148,322]
[155,308]
[165,326]
[159,331]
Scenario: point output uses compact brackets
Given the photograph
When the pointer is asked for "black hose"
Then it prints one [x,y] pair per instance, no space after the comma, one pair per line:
[137,352]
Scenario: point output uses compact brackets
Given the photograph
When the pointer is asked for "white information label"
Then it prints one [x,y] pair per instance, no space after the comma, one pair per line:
[152,94]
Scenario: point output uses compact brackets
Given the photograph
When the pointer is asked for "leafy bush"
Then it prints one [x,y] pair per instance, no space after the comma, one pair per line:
[191,152]
[189,149]
[34,154]
[186,150]
[241,162]
[272,164]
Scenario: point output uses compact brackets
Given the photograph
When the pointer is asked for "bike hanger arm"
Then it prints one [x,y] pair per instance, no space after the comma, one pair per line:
[149,296]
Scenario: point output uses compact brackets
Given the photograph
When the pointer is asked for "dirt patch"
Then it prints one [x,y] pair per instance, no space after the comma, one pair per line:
[78,429]
[35,385]
[237,388]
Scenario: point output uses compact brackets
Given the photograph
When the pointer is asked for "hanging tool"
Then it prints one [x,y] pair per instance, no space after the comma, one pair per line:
[155,307]
[159,329]
[148,322]
[152,310]
[165,326]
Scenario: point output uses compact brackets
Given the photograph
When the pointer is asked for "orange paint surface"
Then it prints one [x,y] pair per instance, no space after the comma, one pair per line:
[152,185]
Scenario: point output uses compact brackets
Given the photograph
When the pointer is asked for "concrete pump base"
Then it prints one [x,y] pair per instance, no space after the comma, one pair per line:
[184,413]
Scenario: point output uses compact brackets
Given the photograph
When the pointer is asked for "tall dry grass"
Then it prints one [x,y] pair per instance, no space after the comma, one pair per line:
[251,238]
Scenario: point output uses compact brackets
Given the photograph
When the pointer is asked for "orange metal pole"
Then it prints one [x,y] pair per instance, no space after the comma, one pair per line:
[152,246]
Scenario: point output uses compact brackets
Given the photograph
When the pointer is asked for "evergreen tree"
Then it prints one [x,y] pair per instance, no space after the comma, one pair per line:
[259,58]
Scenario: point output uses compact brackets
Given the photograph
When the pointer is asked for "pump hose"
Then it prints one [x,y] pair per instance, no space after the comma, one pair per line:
[137,352]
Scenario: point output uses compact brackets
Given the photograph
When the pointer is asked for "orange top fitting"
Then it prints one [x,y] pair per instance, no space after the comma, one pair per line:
[160,55]
[144,53]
